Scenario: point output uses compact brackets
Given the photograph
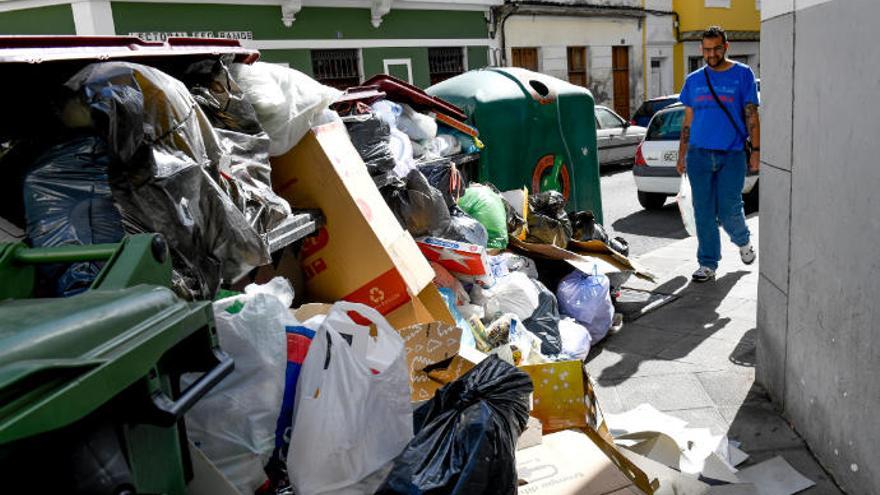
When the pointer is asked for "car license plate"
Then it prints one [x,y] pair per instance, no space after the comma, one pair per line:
[670,156]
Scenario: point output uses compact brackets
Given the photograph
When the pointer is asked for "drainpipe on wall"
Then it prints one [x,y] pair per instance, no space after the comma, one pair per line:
[500,16]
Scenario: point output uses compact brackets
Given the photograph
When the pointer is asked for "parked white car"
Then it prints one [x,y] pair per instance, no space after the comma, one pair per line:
[654,165]
[616,138]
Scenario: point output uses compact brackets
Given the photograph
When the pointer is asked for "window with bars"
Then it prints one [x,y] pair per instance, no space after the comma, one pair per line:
[577,65]
[337,68]
[444,63]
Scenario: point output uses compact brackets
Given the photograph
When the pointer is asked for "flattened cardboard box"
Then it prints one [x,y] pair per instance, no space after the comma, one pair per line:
[607,262]
[569,463]
[362,254]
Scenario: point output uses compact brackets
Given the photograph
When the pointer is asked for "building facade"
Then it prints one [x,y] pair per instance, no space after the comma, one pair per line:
[818,318]
[741,19]
[604,45]
[340,43]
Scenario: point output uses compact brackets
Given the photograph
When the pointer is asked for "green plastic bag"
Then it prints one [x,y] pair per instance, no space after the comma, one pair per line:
[487,207]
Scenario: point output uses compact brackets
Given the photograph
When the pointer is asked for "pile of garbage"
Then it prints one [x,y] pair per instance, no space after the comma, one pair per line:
[439,323]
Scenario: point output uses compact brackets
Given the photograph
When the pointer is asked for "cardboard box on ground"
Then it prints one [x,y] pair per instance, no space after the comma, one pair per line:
[362,254]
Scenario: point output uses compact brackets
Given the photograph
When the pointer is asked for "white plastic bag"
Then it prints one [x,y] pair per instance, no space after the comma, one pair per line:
[418,126]
[685,202]
[402,149]
[388,111]
[575,339]
[349,422]
[514,293]
[286,101]
[234,424]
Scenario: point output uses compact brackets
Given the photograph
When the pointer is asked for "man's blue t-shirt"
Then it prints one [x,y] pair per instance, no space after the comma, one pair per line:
[735,87]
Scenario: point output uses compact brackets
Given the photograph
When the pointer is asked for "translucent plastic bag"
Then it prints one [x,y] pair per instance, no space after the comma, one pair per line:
[353,412]
[234,424]
[286,101]
[484,204]
[169,171]
[514,293]
[587,299]
[685,202]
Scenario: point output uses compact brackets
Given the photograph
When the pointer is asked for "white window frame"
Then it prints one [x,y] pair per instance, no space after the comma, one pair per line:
[399,61]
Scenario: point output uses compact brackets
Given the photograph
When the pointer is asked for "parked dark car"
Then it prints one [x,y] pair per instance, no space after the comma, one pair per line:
[650,107]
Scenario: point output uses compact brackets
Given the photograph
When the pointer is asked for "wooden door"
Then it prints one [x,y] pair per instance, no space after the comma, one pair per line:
[527,58]
[620,69]
[577,65]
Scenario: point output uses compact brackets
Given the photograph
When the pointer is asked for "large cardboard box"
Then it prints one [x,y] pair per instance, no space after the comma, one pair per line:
[362,254]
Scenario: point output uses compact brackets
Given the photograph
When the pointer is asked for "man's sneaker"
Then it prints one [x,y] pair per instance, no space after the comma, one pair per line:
[747,254]
[703,274]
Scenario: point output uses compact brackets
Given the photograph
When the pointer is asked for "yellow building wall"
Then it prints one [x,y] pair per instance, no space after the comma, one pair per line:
[678,66]
[695,16]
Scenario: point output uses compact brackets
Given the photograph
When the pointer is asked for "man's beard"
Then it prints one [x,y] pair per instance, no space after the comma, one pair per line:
[718,62]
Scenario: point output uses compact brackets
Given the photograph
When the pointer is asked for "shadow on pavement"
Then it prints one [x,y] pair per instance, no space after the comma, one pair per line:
[665,223]
[689,324]
[764,434]
[609,170]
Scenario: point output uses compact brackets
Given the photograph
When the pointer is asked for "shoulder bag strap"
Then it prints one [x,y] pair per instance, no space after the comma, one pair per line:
[726,111]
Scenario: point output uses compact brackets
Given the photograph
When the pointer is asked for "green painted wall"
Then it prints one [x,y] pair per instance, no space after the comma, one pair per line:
[374,57]
[478,57]
[300,60]
[57,19]
[311,22]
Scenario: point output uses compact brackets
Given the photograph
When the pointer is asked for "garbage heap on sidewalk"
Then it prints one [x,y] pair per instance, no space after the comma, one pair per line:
[436,337]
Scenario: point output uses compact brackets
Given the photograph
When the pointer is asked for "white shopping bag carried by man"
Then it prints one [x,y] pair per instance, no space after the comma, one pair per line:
[686,206]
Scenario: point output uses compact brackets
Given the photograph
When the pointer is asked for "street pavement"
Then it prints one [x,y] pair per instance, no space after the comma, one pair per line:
[644,230]
[694,358]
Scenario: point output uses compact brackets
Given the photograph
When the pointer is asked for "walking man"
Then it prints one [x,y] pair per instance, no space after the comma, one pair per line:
[721,112]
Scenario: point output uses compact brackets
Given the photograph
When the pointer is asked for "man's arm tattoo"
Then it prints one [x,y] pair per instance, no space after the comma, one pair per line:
[685,138]
[754,123]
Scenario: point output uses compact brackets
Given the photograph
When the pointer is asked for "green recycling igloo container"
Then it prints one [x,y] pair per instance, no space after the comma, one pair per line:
[539,132]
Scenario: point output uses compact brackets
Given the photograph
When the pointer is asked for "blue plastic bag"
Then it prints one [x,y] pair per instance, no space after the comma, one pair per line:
[68,201]
[587,299]
[467,335]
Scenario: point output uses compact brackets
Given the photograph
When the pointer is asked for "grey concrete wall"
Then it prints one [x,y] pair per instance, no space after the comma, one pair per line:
[818,311]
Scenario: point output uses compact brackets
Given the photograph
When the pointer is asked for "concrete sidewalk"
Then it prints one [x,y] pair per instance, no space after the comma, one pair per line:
[694,358]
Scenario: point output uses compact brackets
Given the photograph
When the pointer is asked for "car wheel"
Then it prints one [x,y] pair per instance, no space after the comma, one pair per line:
[651,201]
[751,200]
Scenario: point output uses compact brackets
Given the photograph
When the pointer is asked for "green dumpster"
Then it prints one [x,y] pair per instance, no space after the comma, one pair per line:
[89,385]
[539,132]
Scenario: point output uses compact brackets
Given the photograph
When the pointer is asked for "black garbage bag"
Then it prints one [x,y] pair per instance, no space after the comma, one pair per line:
[235,122]
[465,437]
[371,137]
[418,206]
[465,228]
[168,170]
[548,222]
[544,322]
[446,177]
[68,201]
[585,228]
